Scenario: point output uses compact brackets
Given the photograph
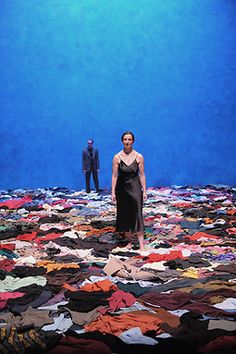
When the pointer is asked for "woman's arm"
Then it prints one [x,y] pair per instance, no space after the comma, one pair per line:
[142,176]
[114,177]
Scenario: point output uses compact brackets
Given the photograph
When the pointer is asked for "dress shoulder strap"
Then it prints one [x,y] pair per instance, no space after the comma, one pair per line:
[119,156]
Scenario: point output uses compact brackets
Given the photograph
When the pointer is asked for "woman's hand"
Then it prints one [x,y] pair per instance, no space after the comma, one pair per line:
[113,197]
[144,196]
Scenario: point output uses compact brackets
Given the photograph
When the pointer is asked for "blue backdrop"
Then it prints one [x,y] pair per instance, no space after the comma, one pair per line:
[75,69]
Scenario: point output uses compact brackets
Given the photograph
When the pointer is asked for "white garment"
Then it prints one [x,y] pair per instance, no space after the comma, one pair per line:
[222,324]
[134,335]
[11,283]
[154,265]
[70,234]
[54,306]
[60,325]
[25,261]
[68,251]
[228,305]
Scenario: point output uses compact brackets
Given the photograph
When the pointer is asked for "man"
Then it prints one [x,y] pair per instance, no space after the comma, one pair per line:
[90,164]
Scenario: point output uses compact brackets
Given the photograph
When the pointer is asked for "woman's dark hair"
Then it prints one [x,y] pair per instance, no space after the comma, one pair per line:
[127,132]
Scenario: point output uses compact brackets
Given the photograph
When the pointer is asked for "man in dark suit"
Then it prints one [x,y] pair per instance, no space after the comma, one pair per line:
[90,164]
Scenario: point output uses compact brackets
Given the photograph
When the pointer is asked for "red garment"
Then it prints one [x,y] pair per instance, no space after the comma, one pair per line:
[7,265]
[4,296]
[27,237]
[72,345]
[231,230]
[7,246]
[119,299]
[56,202]
[79,201]
[231,211]
[149,218]
[200,234]
[16,203]
[222,344]
[182,205]
[29,219]
[51,236]
[154,257]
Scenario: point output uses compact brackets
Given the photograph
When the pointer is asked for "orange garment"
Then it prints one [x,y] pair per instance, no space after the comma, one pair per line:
[82,227]
[211,243]
[100,231]
[200,234]
[145,320]
[166,317]
[207,221]
[51,266]
[103,285]
[154,257]
[69,287]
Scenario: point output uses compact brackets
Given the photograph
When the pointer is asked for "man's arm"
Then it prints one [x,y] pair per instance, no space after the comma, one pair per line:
[98,162]
[83,161]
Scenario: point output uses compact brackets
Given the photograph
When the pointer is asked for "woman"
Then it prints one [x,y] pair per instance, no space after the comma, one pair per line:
[129,190]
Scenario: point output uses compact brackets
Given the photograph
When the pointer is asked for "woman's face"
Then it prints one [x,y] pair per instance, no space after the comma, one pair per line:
[128,140]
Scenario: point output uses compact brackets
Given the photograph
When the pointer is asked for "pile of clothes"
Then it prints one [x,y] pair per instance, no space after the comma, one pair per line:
[68,283]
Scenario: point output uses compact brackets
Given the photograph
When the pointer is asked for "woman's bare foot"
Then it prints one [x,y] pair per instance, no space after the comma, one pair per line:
[129,246]
[141,240]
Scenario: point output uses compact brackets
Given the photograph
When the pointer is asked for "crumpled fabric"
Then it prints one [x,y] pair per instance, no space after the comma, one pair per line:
[119,299]
[103,285]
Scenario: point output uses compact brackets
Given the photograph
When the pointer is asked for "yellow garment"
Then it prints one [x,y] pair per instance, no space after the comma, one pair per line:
[51,266]
[190,273]
[210,285]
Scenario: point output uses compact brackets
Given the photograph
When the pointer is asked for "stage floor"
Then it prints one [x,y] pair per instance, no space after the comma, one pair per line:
[68,283]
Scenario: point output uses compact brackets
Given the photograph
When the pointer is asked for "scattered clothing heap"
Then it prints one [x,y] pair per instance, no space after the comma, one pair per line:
[68,283]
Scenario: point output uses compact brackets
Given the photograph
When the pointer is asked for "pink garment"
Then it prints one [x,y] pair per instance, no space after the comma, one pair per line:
[30,219]
[231,230]
[16,203]
[56,202]
[8,295]
[204,273]
[7,265]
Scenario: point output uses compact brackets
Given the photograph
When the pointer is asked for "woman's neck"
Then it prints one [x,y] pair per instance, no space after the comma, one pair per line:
[127,151]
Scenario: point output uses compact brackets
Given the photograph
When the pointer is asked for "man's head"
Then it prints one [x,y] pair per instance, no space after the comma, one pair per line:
[90,143]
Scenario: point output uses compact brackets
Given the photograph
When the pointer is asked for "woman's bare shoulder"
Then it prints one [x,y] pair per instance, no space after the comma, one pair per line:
[139,157]
[116,157]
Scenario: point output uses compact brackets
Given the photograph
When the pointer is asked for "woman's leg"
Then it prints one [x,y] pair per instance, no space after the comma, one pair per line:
[128,236]
[140,235]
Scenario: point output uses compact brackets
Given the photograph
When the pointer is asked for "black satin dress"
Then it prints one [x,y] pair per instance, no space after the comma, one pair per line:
[129,198]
